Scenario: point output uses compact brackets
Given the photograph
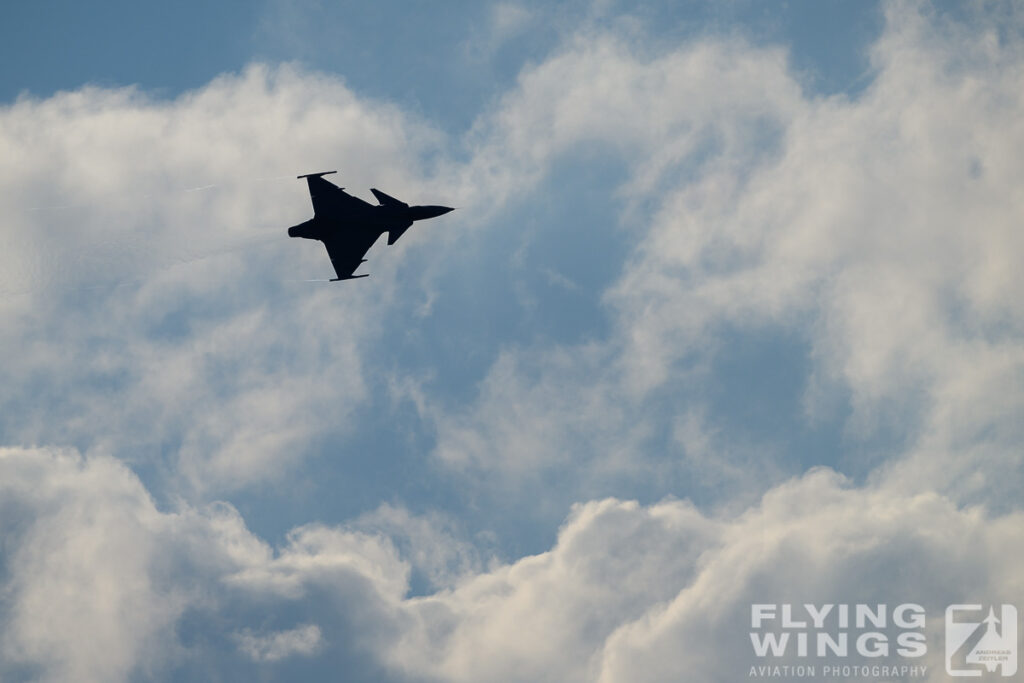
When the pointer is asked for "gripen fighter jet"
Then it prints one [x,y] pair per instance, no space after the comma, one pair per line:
[348,226]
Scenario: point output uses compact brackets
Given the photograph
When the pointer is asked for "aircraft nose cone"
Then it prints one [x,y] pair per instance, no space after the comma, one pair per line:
[423,212]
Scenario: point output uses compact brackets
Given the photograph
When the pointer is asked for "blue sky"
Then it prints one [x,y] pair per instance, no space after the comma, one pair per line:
[433,60]
[727,314]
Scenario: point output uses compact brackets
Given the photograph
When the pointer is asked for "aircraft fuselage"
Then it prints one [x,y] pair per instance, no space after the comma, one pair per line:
[348,226]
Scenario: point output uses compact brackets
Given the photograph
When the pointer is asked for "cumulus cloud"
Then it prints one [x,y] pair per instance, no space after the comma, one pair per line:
[663,592]
[871,218]
[543,617]
[820,541]
[627,592]
[433,544]
[873,231]
[878,232]
[144,314]
[78,539]
[98,582]
[302,640]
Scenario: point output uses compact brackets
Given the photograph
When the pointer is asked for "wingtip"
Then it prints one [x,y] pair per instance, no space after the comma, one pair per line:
[315,175]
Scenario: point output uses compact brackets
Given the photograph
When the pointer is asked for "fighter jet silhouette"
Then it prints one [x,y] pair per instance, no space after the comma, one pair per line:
[348,226]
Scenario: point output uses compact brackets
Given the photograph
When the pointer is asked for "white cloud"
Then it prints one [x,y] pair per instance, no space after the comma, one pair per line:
[879,229]
[302,640]
[96,580]
[815,540]
[628,592]
[82,597]
[431,543]
[542,617]
[145,315]
[662,592]
[655,112]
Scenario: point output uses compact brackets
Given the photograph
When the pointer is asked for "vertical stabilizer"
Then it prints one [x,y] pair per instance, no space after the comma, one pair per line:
[386,199]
